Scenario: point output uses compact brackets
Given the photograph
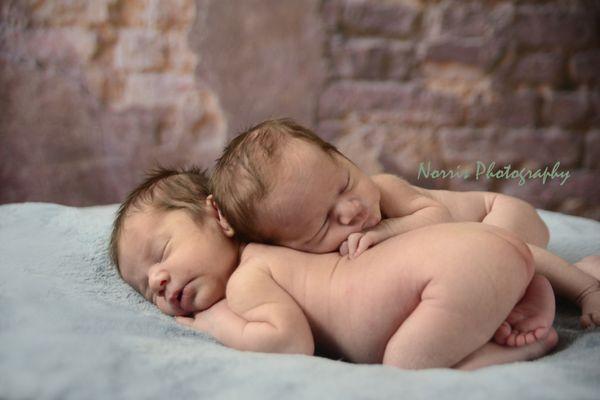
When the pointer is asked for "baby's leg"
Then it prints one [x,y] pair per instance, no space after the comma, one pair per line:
[485,273]
[590,265]
[494,354]
[590,297]
[532,317]
[579,284]
[518,217]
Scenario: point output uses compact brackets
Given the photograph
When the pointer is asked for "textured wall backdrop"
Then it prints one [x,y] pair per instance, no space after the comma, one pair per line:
[94,92]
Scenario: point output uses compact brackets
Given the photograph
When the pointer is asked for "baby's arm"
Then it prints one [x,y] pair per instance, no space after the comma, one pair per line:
[571,283]
[257,315]
[404,209]
[510,213]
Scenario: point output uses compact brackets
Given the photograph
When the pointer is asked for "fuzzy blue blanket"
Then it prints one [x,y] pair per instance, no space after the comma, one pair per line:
[71,329]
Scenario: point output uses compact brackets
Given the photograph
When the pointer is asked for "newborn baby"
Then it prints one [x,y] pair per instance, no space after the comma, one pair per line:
[432,297]
[279,183]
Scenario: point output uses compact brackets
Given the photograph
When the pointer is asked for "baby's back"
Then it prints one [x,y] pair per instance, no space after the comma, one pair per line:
[355,306]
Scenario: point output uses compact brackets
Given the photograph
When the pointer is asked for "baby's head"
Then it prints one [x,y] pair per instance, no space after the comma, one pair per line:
[168,242]
[279,183]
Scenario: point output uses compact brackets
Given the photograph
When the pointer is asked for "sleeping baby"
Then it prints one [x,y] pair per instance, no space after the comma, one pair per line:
[279,183]
[432,297]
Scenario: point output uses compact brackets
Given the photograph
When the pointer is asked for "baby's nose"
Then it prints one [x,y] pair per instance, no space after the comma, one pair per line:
[158,280]
[350,211]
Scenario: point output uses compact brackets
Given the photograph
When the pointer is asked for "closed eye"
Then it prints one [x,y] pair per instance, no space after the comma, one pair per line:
[164,254]
[347,184]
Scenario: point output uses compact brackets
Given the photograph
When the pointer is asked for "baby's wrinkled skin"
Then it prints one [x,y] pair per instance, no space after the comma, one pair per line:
[438,296]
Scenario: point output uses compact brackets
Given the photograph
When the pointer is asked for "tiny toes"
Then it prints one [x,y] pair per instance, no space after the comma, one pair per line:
[512,339]
[530,338]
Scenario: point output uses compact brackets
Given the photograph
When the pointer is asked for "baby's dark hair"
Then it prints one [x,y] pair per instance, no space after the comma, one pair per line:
[243,174]
[163,189]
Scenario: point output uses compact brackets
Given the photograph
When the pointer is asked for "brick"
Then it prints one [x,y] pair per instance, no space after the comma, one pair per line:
[579,192]
[469,145]
[584,67]
[151,89]
[70,12]
[179,14]
[128,132]
[591,150]
[540,69]
[60,45]
[476,52]
[371,58]
[408,103]
[550,26]
[359,58]
[541,147]
[180,57]
[344,97]
[140,50]
[331,12]
[405,148]
[565,109]
[157,13]
[378,18]
[474,18]
[505,109]
[401,60]
[533,191]
[362,144]
[595,108]
[537,147]
[136,13]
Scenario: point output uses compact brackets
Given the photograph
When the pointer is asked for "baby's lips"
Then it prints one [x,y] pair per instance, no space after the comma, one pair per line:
[187,298]
[175,298]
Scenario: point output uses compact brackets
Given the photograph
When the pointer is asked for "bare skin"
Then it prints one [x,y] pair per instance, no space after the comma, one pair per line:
[432,322]
[281,300]
[346,209]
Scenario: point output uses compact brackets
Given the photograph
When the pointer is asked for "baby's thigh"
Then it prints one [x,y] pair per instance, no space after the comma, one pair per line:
[500,233]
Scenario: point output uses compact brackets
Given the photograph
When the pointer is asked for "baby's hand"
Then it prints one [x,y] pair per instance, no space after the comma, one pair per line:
[357,243]
[204,321]
[590,308]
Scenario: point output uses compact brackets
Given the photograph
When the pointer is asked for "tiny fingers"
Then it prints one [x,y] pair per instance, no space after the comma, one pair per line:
[364,243]
[344,248]
[353,240]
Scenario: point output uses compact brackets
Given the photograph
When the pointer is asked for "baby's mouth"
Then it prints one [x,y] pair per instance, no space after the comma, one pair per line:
[186,298]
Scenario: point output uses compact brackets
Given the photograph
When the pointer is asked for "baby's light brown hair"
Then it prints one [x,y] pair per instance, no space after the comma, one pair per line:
[164,190]
[243,174]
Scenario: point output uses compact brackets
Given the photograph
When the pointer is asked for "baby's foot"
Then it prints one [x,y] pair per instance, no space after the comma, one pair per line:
[589,299]
[493,354]
[532,317]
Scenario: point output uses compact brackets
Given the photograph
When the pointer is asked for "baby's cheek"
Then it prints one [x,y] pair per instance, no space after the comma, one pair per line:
[208,294]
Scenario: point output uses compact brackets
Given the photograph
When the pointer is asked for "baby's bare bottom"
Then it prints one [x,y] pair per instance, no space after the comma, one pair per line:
[462,306]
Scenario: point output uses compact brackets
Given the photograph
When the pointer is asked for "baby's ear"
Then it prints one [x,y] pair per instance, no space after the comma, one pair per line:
[225,226]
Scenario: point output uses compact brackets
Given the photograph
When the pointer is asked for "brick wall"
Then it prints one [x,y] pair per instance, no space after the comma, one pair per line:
[94,92]
[455,82]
